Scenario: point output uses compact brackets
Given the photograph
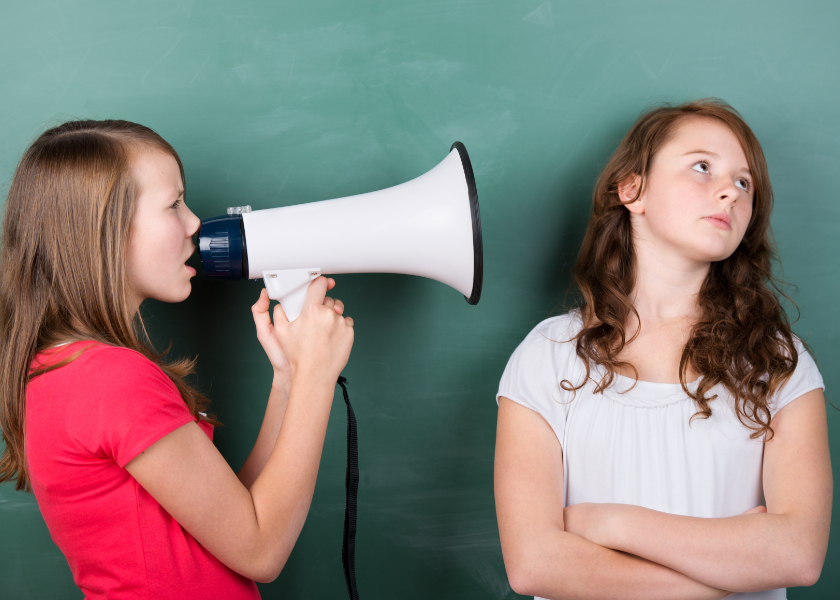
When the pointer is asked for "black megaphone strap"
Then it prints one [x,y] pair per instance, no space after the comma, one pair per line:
[351,486]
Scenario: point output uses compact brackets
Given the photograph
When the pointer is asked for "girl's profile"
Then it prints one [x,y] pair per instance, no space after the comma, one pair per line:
[667,438]
[109,434]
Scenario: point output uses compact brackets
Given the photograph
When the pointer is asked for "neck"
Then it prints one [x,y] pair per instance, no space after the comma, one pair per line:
[134,303]
[667,285]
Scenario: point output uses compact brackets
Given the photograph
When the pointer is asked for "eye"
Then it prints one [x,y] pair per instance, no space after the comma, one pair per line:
[742,183]
[702,166]
[176,204]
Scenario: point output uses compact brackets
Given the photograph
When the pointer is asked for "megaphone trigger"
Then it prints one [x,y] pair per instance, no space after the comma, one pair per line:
[289,286]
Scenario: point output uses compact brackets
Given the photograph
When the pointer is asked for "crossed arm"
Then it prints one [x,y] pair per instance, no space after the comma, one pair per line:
[592,551]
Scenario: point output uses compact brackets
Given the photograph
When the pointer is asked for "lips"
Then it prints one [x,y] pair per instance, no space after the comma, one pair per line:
[189,268]
[192,251]
[720,220]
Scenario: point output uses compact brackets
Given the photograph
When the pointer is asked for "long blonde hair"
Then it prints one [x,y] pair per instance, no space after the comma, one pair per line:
[63,264]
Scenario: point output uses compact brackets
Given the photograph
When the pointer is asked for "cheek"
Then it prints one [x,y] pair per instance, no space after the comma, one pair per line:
[670,210]
[151,247]
[174,238]
[745,214]
[136,264]
[671,199]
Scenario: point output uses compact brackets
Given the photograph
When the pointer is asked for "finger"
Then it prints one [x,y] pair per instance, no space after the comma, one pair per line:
[338,306]
[329,302]
[260,313]
[280,315]
[330,283]
[349,321]
[756,510]
[316,292]
[262,303]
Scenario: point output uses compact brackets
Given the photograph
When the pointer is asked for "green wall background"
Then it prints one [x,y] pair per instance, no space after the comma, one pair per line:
[276,103]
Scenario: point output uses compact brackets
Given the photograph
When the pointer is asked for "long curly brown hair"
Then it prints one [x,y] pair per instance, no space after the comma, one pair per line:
[743,339]
[62,265]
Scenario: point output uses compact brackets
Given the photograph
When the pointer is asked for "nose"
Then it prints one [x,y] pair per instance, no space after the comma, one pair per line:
[193,223]
[729,192]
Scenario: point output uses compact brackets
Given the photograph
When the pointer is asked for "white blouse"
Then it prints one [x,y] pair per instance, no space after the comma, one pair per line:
[636,446]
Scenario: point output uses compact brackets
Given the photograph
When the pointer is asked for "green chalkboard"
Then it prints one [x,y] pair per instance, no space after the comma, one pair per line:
[278,103]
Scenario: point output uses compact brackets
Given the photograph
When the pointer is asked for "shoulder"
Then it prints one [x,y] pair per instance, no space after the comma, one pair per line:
[806,366]
[800,347]
[563,328]
[104,367]
[118,402]
[538,367]
[102,354]
[555,333]
[545,357]
[805,378]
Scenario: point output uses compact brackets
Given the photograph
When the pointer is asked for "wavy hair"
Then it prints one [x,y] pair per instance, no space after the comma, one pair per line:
[63,265]
[743,339]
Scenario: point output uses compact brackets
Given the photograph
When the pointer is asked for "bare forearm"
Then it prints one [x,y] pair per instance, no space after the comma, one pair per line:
[564,565]
[275,410]
[282,493]
[745,553]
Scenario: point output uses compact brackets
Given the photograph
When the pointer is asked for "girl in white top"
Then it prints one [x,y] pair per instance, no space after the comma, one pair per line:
[668,439]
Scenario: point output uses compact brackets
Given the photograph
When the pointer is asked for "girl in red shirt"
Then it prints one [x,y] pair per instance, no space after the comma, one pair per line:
[113,441]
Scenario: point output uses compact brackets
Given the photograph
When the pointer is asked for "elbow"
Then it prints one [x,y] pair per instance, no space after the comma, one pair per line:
[810,578]
[808,573]
[523,584]
[805,565]
[267,570]
[265,575]
[263,566]
[523,577]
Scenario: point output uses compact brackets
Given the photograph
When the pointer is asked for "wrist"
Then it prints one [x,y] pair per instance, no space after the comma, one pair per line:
[618,524]
[313,379]
[281,384]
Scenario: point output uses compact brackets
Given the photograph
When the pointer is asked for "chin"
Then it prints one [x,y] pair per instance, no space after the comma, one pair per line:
[713,252]
[716,256]
[185,295]
[172,297]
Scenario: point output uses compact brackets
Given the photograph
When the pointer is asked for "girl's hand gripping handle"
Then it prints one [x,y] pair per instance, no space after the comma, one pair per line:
[289,286]
[318,343]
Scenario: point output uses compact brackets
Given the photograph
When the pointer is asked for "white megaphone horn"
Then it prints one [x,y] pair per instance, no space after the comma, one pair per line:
[429,226]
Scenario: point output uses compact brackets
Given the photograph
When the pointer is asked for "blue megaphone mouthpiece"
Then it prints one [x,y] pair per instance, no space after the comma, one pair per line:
[221,243]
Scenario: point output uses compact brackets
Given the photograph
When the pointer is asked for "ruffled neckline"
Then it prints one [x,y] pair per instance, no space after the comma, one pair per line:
[646,394]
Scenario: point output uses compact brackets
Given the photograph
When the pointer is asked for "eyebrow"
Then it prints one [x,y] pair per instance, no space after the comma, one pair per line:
[709,153]
[702,152]
[179,194]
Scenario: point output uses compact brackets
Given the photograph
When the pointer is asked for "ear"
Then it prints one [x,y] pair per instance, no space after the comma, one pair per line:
[629,189]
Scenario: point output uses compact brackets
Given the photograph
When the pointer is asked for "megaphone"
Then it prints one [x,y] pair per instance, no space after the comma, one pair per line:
[429,226]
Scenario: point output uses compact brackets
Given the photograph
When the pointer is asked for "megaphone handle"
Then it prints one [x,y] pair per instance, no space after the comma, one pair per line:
[289,287]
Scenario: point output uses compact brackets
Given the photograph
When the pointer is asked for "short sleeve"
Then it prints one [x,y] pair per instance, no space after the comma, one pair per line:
[806,377]
[537,367]
[128,404]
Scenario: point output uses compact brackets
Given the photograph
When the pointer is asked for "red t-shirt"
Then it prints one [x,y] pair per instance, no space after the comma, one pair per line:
[84,422]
